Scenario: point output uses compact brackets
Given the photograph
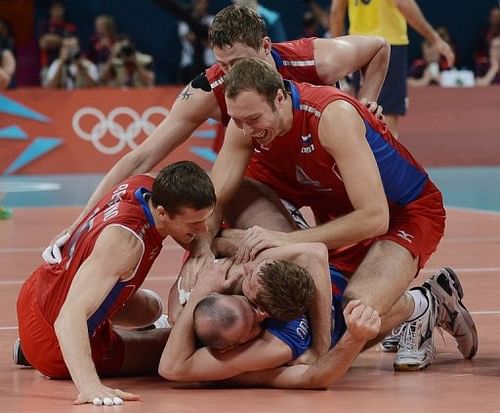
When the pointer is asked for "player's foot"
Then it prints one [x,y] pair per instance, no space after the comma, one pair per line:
[452,315]
[390,343]
[416,346]
[18,356]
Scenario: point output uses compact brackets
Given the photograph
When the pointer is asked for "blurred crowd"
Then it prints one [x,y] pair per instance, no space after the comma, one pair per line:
[112,59]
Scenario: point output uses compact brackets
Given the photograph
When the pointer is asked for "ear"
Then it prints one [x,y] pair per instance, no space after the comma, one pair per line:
[261,314]
[280,97]
[162,213]
[266,44]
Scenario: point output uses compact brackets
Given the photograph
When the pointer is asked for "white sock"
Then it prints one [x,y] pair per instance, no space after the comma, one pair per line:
[421,303]
[162,322]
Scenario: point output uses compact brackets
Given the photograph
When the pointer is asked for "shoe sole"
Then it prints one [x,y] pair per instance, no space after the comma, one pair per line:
[410,367]
[464,311]
[390,347]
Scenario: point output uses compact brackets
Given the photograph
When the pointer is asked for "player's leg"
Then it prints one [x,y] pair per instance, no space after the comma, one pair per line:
[143,350]
[381,279]
[257,204]
[394,94]
[380,282]
[142,309]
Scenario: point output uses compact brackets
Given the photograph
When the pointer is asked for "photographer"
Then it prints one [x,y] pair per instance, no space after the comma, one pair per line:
[196,56]
[7,59]
[71,70]
[127,67]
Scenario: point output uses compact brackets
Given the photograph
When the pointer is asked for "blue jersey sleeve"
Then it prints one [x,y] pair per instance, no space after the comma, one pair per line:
[296,333]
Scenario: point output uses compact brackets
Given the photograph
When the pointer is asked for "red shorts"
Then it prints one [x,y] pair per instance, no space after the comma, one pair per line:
[41,347]
[418,227]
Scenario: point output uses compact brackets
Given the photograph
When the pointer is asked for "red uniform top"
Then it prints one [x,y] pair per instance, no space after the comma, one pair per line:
[301,171]
[125,207]
[294,60]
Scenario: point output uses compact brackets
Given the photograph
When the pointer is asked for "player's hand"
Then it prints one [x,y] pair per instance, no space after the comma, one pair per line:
[192,268]
[445,50]
[52,254]
[215,278]
[226,244]
[257,239]
[374,108]
[362,321]
[104,396]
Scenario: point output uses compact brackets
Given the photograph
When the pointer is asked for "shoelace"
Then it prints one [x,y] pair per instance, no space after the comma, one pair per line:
[396,332]
[408,342]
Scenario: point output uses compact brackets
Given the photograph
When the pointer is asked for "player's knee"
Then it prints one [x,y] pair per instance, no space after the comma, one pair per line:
[364,297]
[153,305]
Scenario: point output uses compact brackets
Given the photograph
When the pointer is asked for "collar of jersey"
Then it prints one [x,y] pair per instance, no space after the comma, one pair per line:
[277,58]
[294,92]
[140,195]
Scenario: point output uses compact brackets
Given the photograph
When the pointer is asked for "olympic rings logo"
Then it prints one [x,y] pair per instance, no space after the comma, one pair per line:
[125,135]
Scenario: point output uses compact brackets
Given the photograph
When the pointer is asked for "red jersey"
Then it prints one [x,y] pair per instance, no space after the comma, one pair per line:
[302,172]
[294,60]
[125,207]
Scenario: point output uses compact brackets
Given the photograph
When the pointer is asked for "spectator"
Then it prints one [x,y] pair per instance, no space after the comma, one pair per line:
[7,59]
[491,32]
[272,18]
[195,55]
[102,40]
[492,74]
[6,40]
[315,21]
[51,36]
[127,67]
[71,70]
[426,71]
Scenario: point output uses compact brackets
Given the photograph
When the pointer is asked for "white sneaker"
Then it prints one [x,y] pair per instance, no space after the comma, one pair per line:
[390,343]
[416,346]
[452,315]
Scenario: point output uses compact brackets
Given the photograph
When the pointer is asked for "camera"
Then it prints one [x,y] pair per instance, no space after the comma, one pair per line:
[74,54]
[126,51]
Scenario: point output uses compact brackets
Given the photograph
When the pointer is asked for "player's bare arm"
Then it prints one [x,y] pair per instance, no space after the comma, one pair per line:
[226,176]
[342,134]
[337,17]
[362,323]
[336,58]
[115,255]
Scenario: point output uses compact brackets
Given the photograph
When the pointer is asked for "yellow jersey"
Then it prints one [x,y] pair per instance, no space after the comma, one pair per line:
[378,18]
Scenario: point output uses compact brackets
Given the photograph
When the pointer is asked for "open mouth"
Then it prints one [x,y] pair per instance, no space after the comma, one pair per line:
[262,137]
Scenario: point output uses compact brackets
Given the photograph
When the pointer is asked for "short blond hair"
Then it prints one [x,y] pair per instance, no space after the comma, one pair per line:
[253,74]
[287,290]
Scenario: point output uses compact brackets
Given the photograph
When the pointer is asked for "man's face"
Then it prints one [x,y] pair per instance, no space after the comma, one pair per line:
[187,223]
[248,325]
[495,18]
[229,56]
[70,43]
[101,26]
[253,114]
[57,12]
[251,285]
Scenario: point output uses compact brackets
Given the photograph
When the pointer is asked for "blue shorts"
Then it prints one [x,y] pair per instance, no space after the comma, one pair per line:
[339,283]
[394,93]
